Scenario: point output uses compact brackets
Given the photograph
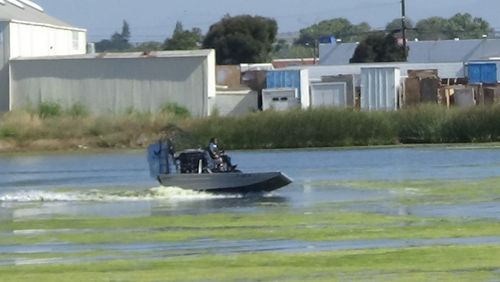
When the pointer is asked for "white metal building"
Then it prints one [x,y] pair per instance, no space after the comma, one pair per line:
[117,82]
[27,31]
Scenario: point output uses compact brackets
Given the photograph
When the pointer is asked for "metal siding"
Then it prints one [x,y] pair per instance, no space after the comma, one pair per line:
[445,70]
[439,51]
[333,94]
[280,99]
[4,67]
[482,73]
[304,95]
[489,73]
[380,89]
[284,79]
[474,73]
[29,40]
[114,85]
[236,103]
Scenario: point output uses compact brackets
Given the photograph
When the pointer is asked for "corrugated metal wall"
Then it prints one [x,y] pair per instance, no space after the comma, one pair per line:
[380,89]
[297,79]
[485,72]
[4,67]
[445,70]
[115,85]
[329,94]
[32,40]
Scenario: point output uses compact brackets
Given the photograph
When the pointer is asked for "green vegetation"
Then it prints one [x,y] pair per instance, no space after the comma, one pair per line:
[119,41]
[249,39]
[176,110]
[49,110]
[328,223]
[242,39]
[316,226]
[183,39]
[452,263]
[379,47]
[436,192]
[53,128]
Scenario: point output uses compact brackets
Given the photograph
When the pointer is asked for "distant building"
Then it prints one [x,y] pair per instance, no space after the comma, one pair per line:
[284,63]
[422,52]
[26,31]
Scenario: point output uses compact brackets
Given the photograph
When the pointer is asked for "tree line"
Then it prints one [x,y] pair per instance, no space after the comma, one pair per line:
[252,39]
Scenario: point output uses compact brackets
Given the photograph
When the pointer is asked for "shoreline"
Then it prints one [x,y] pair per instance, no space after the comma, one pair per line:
[18,151]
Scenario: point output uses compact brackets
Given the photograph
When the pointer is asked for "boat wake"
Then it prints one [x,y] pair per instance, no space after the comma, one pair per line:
[153,194]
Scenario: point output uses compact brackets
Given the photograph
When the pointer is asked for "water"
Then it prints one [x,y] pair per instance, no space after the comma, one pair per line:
[99,184]
[118,184]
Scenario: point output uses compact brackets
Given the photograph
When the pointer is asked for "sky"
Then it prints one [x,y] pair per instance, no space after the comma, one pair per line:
[154,20]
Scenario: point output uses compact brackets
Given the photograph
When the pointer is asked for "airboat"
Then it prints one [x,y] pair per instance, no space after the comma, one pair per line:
[194,169]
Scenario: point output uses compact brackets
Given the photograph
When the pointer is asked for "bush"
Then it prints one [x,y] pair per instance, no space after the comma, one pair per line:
[176,110]
[78,110]
[49,109]
[7,132]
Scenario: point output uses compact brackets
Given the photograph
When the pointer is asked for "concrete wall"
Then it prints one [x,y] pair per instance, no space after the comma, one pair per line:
[116,84]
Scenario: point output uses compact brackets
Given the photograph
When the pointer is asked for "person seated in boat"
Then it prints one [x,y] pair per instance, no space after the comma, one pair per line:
[221,160]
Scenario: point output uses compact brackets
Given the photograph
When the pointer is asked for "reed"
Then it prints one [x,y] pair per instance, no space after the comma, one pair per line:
[325,127]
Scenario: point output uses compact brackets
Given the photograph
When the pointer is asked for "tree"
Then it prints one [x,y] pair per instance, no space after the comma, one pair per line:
[118,41]
[379,47]
[183,39]
[242,39]
[149,46]
[395,27]
[464,26]
[433,28]
[339,27]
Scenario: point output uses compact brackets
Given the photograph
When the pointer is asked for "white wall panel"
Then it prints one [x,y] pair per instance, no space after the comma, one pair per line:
[31,40]
[380,89]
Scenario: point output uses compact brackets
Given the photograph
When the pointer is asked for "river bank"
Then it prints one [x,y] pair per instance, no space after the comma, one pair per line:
[31,131]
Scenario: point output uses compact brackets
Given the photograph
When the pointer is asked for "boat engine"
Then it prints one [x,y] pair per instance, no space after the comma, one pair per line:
[160,158]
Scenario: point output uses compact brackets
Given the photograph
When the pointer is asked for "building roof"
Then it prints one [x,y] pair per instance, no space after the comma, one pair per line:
[27,11]
[442,51]
[125,55]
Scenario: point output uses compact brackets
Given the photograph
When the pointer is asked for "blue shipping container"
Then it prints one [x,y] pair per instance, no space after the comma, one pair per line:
[284,79]
[482,73]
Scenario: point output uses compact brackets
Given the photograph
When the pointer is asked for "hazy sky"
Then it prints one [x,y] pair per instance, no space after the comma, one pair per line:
[155,19]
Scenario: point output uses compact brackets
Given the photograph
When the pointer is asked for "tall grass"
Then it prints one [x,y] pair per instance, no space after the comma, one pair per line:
[311,128]
[271,129]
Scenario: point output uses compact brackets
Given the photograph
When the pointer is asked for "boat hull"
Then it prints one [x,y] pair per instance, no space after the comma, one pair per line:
[238,183]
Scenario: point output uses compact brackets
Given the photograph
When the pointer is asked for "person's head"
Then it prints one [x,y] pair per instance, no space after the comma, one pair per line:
[214,140]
